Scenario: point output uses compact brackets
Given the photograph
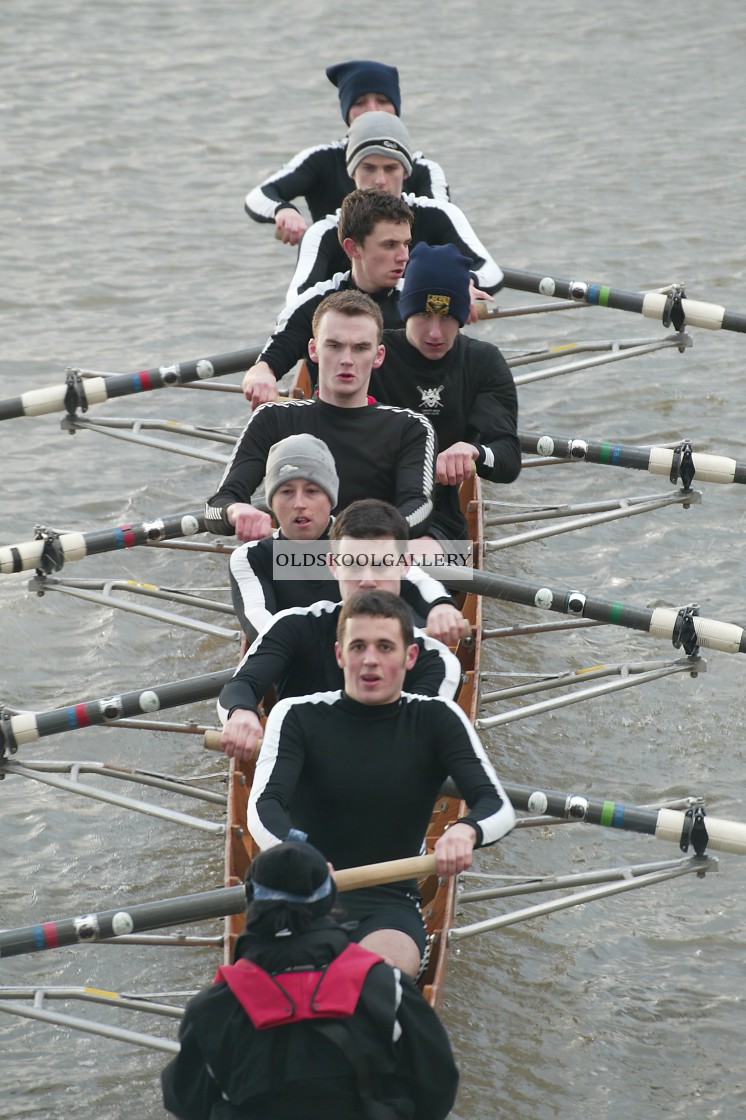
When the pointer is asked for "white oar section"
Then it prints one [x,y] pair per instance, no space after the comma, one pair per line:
[707,468]
[722,835]
[697,312]
[711,633]
[38,402]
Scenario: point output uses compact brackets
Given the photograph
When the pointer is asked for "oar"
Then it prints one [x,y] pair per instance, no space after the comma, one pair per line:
[682,828]
[185,908]
[51,549]
[79,392]
[673,462]
[18,728]
[667,307]
[684,627]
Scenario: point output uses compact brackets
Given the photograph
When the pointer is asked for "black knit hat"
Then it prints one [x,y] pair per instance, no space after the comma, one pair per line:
[436,281]
[360,76]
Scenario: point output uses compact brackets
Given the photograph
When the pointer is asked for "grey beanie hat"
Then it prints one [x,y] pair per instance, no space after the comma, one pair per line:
[378,134]
[301,456]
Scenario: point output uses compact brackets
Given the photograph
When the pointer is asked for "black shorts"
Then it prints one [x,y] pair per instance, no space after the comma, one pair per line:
[386,907]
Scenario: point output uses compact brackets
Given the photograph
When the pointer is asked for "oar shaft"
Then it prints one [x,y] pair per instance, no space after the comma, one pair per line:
[125,920]
[661,622]
[655,460]
[51,552]
[186,908]
[81,392]
[652,305]
[665,824]
[26,727]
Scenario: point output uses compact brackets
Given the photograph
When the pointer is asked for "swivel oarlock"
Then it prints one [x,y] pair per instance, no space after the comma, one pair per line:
[74,395]
[694,831]
[52,557]
[684,631]
[682,464]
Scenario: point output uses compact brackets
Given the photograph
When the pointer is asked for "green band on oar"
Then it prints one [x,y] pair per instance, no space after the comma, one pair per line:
[51,549]
[80,392]
[665,307]
[661,622]
[19,728]
[671,462]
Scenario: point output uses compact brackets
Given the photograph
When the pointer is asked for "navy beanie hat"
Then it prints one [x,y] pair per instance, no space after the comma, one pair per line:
[360,76]
[436,281]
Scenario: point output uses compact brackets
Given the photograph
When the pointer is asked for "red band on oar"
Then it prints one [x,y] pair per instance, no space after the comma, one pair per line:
[77,716]
[50,933]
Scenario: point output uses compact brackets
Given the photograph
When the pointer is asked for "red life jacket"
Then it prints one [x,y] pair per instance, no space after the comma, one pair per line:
[288,997]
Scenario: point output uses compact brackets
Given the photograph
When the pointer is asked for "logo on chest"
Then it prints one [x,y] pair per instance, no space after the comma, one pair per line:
[431,401]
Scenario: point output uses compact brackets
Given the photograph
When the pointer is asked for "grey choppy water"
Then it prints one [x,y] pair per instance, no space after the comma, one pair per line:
[596,141]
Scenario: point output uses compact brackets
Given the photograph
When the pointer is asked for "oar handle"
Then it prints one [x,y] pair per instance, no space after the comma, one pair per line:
[376,874]
[211,739]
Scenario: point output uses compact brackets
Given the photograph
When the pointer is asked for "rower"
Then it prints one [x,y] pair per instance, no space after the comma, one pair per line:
[320,174]
[300,488]
[379,452]
[304,1022]
[375,229]
[357,771]
[295,652]
[463,386]
[379,155]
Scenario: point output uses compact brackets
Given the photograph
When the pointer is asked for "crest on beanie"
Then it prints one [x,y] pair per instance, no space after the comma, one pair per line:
[438,304]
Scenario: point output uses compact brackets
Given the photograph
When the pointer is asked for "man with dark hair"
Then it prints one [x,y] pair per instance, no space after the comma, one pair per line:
[295,652]
[357,772]
[463,385]
[379,156]
[380,452]
[320,174]
[305,1022]
[375,229]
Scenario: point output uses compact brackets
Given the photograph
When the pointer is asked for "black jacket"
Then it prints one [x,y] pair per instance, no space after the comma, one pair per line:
[228,1070]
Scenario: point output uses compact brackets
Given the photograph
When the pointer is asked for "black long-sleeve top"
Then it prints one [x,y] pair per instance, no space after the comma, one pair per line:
[379,451]
[319,175]
[468,394]
[295,653]
[435,221]
[361,780]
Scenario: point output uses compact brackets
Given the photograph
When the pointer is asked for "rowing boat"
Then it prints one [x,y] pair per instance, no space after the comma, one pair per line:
[577,604]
